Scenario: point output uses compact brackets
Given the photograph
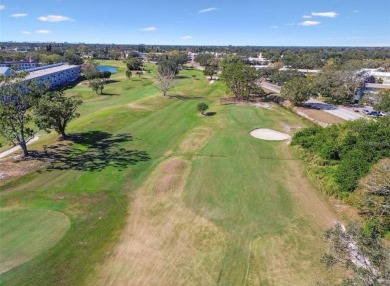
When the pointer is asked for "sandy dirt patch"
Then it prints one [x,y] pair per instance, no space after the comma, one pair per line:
[263,105]
[135,105]
[318,116]
[164,242]
[11,169]
[195,140]
[269,134]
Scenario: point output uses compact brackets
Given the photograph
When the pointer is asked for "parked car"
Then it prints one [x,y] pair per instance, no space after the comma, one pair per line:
[366,111]
[374,113]
[382,113]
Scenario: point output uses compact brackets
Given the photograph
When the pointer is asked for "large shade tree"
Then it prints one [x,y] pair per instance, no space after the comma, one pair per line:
[297,90]
[211,69]
[55,111]
[204,58]
[134,63]
[239,77]
[17,96]
[165,76]
[339,85]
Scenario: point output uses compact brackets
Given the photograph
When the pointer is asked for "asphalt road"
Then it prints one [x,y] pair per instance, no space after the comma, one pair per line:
[272,87]
[338,111]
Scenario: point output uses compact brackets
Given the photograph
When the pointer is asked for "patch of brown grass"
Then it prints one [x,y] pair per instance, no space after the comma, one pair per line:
[312,202]
[135,105]
[195,140]
[11,169]
[320,116]
[164,242]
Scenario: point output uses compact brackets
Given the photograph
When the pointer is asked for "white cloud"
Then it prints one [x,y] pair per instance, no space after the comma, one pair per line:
[42,32]
[289,24]
[25,32]
[2,7]
[307,16]
[149,29]
[208,10]
[324,14]
[17,15]
[355,11]
[54,18]
[309,23]
[273,27]
[187,38]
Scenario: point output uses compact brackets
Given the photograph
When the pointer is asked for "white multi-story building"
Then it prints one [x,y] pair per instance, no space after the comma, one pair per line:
[19,65]
[54,75]
[377,74]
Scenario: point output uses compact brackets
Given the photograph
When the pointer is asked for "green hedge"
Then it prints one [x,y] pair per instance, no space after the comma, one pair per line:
[348,150]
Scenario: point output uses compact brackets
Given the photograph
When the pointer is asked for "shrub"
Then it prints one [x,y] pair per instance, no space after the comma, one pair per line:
[202,107]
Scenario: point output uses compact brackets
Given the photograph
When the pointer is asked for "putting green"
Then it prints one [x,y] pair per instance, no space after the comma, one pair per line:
[25,233]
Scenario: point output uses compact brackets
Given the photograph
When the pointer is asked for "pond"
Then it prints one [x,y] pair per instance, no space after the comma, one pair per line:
[107,68]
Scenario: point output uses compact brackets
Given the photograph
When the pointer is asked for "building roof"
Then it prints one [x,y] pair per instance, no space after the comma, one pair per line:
[49,70]
[378,73]
[4,70]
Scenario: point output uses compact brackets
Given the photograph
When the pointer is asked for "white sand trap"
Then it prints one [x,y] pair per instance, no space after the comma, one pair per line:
[268,134]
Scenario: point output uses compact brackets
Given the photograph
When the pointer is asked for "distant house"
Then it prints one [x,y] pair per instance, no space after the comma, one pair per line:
[259,61]
[304,71]
[5,71]
[23,65]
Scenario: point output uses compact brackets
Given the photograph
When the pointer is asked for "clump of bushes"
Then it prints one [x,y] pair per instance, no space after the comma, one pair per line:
[347,151]
[202,107]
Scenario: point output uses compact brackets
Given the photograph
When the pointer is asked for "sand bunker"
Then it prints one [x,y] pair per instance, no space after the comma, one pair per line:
[268,134]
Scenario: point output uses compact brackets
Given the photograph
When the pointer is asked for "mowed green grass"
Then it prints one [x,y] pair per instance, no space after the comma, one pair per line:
[26,233]
[95,201]
[236,182]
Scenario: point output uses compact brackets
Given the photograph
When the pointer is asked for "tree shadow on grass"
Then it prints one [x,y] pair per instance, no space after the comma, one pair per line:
[183,97]
[92,151]
[182,76]
[320,106]
[112,81]
[109,94]
[210,113]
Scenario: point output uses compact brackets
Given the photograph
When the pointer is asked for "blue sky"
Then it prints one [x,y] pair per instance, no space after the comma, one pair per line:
[218,22]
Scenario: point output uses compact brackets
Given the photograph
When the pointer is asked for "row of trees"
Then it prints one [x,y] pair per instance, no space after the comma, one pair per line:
[23,103]
[43,57]
[338,86]
[316,58]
